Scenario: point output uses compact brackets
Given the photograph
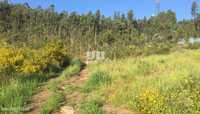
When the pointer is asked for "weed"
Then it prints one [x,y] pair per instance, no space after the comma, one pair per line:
[96,79]
[91,107]
[53,103]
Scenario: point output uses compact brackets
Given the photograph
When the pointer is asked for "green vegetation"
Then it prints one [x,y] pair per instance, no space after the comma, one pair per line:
[57,98]
[52,104]
[74,68]
[156,84]
[38,44]
[97,79]
[91,107]
[119,36]
[16,93]
[23,69]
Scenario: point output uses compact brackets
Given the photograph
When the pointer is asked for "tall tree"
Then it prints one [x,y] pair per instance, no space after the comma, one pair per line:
[97,25]
[130,19]
[130,16]
[194,12]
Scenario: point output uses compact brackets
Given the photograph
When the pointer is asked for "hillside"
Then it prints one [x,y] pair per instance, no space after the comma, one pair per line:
[158,84]
[67,62]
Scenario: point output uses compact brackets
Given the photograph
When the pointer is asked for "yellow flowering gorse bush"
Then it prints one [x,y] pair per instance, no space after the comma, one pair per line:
[52,57]
[10,58]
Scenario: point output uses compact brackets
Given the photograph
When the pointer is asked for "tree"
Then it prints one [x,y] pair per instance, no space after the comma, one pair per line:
[84,31]
[5,10]
[123,17]
[130,16]
[52,8]
[116,15]
[130,20]
[194,12]
[97,25]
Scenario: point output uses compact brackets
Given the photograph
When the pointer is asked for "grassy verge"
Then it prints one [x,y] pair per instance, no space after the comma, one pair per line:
[91,107]
[97,79]
[52,104]
[16,92]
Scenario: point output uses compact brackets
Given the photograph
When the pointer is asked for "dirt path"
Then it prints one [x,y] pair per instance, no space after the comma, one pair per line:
[42,96]
[76,80]
[72,99]
[109,109]
[38,100]
[44,93]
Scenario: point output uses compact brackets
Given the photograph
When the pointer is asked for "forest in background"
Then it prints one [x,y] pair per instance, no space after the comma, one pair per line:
[119,36]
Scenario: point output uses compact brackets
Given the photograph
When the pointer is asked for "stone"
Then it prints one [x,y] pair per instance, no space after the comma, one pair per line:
[66,110]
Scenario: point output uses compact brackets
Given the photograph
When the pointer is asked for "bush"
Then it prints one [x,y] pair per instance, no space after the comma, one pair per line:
[11,59]
[77,62]
[70,71]
[52,57]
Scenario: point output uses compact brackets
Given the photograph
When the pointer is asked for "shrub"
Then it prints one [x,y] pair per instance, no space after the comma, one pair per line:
[77,62]
[30,67]
[74,68]
[52,57]
[10,59]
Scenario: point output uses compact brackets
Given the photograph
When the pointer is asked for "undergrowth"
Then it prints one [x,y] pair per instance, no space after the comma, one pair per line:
[96,79]
[91,107]
[158,84]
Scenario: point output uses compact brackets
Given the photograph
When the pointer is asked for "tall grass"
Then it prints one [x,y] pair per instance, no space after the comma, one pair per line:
[97,79]
[74,68]
[91,107]
[15,93]
[52,104]
[158,84]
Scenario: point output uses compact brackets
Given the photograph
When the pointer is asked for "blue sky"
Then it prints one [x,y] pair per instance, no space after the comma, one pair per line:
[141,8]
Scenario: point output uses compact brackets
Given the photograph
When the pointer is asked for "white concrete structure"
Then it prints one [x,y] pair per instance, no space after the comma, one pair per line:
[191,40]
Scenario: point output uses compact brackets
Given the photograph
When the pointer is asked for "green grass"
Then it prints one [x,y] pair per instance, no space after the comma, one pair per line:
[74,68]
[57,98]
[91,107]
[52,104]
[158,84]
[16,92]
[96,79]
[70,71]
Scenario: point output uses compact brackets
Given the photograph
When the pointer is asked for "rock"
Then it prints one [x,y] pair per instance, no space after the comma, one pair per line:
[66,110]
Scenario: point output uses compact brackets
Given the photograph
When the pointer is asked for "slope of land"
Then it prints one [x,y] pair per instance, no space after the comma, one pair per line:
[154,84]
